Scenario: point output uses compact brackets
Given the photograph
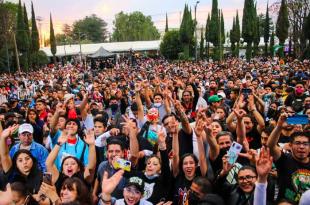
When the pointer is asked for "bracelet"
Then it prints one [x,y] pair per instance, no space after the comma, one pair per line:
[105,201]
[253,110]
[58,143]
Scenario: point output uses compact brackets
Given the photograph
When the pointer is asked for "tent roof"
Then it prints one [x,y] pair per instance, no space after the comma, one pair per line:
[101,53]
[114,47]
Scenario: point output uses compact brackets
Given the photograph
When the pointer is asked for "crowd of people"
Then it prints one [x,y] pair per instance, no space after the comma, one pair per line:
[158,132]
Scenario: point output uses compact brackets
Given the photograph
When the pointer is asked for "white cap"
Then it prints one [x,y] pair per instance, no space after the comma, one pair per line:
[223,95]
[25,128]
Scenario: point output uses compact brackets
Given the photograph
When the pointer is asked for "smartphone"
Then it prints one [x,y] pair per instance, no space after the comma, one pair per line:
[233,152]
[122,164]
[298,120]
[47,178]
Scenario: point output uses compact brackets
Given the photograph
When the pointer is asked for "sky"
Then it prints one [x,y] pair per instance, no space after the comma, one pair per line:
[68,11]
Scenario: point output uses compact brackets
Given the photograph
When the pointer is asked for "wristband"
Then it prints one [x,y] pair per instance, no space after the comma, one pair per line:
[58,143]
[105,201]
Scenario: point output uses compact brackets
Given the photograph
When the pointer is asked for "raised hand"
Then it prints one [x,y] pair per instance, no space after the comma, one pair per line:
[8,131]
[240,113]
[130,126]
[90,137]
[282,119]
[200,127]
[63,137]
[226,166]
[263,165]
[109,184]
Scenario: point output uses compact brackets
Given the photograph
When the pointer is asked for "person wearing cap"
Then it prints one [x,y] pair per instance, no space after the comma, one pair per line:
[25,134]
[132,192]
[214,102]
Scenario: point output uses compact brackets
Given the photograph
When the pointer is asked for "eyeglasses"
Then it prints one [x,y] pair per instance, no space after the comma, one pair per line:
[297,143]
[132,191]
[246,178]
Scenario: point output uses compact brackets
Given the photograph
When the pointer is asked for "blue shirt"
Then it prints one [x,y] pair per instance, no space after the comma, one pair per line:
[67,149]
[37,150]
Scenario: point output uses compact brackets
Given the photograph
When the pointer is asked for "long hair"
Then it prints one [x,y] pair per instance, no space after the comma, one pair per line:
[80,164]
[182,160]
[83,194]
[34,167]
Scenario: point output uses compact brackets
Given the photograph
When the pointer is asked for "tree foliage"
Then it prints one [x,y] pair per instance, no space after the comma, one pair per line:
[166,27]
[52,39]
[91,28]
[266,30]
[170,46]
[8,16]
[248,26]
[207,35]
[201,46]
[271,43]
[282,25]
[22,39]
[187,31]
[35,41]
[134,27]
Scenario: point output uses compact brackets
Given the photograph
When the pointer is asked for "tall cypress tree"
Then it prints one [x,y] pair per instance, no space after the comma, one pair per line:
[166,28]
[222,28]
[26,21]
[35,42]
[248,26]
[52,40]
[186,31]
[201,48]
[271,45]
[282,26]
[232,37]
[21,37]
[214,29]
[266,30]
[237,35]
[256,36]
[207,35]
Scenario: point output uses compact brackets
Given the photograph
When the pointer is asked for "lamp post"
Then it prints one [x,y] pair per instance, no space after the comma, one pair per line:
[197,2]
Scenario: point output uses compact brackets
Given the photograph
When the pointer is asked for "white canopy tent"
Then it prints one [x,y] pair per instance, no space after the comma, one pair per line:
[114,47]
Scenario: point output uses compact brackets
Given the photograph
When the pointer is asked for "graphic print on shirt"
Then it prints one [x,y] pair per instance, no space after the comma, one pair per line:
[300,182]
[148,190]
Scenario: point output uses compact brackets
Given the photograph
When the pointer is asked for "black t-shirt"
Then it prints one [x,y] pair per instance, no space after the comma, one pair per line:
[253,138]
[181,186]
[294,177]
[185,143]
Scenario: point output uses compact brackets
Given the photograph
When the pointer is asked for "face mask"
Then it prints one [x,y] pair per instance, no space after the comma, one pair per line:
[299,91]
[114,107]
[193,199]
[157,105]
[94,112]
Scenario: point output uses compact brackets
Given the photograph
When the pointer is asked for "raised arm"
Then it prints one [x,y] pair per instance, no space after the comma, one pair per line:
[263,168]
[175,148]
[199,129]
[165,169]
[54,121]
[214,150]
[139,102]
[258,117]
[273,139]
[108,186]
[90,169]
[83,106]
[240,129]
[184,120]
[133,140]
[50,161]
[230,122]
[6,160]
